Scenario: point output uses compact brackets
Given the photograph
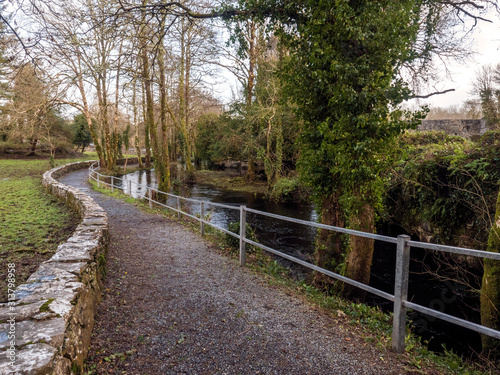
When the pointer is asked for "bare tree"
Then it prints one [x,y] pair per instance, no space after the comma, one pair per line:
[486,88]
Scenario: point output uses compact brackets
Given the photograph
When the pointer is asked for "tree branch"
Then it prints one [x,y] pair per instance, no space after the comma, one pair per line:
[431,94]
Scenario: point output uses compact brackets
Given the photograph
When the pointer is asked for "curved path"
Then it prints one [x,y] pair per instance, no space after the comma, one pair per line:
[173,305]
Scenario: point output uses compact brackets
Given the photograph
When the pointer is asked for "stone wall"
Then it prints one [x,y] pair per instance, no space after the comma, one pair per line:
[54,310]
[463,128]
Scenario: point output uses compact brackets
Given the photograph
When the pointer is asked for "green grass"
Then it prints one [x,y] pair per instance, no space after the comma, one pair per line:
[32,222]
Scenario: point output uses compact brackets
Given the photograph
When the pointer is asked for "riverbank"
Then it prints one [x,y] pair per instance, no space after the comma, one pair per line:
[222,180]
[286,189]
[210,312]
[370,323]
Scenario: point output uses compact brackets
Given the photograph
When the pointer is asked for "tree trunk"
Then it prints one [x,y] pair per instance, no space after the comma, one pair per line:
[185,142]
[328,253]
[252,56]
[147,143]
[359,258]
[102,98]
[146,86]
[490,290]
[137,144]
[88,117]
[115,120]
[33,143]
[164,177]
[149,112]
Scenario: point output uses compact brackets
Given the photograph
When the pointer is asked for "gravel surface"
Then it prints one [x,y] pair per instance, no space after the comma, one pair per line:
[174,305]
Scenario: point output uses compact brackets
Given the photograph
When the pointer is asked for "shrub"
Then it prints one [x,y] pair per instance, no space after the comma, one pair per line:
[234,243]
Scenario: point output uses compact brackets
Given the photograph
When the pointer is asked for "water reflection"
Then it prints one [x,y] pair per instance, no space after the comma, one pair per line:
[295,239]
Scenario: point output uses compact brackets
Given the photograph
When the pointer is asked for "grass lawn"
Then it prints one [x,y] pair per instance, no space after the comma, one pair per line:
[32,223]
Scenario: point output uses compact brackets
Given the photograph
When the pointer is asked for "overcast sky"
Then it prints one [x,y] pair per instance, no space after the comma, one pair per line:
[487,44]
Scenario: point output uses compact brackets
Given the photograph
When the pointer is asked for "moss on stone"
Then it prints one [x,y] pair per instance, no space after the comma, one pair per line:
[45,306]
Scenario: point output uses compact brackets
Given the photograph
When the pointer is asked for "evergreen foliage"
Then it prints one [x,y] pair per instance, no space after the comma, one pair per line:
[82,137]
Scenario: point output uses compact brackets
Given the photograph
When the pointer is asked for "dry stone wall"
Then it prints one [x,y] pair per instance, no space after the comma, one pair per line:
[463,128]
[54,310]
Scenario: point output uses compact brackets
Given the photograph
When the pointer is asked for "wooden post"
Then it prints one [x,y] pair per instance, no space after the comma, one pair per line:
[401,293]
[243,231]
[98,180]
[150,195]
[178,207]
[202,217]
[112,184]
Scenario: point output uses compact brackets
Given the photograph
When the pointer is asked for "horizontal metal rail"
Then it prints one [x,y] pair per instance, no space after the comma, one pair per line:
[368,288]
[403,242]
[324,226]
[453,319]
[455,250]
[197,200]
[222,229]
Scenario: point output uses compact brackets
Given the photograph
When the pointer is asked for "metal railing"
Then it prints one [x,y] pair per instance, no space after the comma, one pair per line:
[403,246]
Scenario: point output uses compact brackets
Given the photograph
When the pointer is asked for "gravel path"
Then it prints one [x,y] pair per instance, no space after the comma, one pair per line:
[173,305]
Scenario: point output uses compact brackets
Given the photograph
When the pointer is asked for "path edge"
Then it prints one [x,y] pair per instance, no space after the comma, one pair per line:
[54,309]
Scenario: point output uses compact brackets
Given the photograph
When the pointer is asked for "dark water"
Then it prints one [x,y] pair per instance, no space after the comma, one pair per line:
[298,240]
[449,297]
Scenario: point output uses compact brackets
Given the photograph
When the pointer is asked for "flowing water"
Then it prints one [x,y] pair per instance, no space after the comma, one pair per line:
[291,238]
[298,240]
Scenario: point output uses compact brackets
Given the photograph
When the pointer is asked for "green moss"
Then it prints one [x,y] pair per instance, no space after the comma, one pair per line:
[490,290]
[446,183]
[75,368]
[102,264]
[45,306]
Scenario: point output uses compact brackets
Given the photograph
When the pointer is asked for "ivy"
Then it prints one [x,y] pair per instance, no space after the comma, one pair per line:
[447,182]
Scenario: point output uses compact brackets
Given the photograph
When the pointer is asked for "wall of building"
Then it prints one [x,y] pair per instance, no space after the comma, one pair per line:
[462,128]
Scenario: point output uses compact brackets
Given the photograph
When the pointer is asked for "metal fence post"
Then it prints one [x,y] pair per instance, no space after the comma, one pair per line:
[112,184]
[202,217]
[243,232]
[98,180]
[178,207]
[150,195]
[130,187]
[401,293]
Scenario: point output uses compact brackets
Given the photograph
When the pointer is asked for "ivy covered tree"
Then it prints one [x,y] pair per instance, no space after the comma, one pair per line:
[343,73]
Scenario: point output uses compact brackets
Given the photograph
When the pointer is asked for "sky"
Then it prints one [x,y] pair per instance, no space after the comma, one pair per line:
[487,44]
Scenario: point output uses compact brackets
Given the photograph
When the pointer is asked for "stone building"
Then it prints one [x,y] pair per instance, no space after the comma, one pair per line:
[463,128]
